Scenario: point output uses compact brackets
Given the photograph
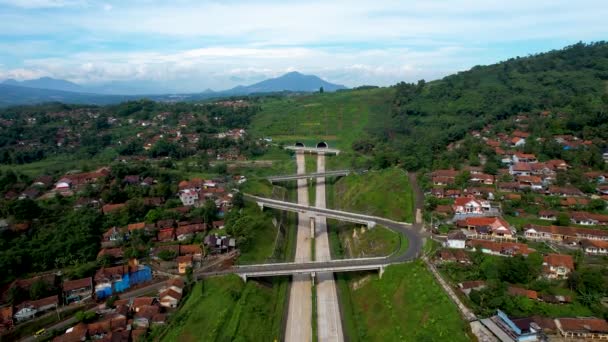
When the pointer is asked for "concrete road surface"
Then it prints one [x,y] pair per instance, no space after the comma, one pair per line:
[299,327]
[328,309]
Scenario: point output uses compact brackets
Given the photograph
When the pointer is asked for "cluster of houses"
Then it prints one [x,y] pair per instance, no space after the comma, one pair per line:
[196,192]
[537,328]
[67,292]
[128,319]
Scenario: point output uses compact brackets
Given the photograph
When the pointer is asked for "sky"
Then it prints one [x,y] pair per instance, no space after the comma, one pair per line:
[195,45]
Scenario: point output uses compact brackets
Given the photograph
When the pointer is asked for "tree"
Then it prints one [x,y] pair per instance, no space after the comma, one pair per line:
[209,211]
[321,90]
[39,289]
[238,201]
[562,219]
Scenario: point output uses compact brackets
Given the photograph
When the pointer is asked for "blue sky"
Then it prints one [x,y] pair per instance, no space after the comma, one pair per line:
[194,45]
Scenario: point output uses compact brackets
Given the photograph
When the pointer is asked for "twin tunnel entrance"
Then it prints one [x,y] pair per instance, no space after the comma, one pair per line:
[321,144]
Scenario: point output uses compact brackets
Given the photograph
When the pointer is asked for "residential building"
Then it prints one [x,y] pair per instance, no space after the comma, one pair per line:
[467,205]
[583,328]
[77,290]
[488,227]
[596,247]
[557,266]
[512,329]
[500,248]
[456,239]
[563,234]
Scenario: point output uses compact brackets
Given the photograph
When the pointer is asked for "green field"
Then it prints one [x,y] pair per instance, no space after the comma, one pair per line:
[405,305]
[336,118]
[226,309]
[361,242]
[386,193]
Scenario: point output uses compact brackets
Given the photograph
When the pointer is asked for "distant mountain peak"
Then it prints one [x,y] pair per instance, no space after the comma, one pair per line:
[291,81]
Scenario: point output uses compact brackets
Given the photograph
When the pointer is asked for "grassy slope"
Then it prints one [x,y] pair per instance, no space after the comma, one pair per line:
[405,305]
[385,193]
[262,241]
[226,309]
[338,118]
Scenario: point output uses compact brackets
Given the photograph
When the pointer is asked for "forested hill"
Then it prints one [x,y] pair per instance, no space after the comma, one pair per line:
[426,117]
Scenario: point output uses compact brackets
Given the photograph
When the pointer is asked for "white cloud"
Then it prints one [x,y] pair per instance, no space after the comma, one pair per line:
[220,44]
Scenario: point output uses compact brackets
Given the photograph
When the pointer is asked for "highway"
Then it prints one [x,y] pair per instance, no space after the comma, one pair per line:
[299,327]
[328,309]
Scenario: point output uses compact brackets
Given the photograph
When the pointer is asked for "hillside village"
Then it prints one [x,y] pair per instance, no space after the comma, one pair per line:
[144,227]
[524,235]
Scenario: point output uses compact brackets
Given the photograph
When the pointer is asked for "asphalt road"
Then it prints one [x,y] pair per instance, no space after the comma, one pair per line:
[328,309]
[299,313]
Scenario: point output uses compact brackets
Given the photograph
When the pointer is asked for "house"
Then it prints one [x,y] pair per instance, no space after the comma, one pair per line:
[530,182]
[482,178]
[444,177]
[444,210]
[456,239]
[520,291]
[450,255]
[77,290]
[501,248]
[193,250]
[519,157]
[143,317]
[169,298]
[520,169]
[488,227]
[557,266]
[131,179]
[183,263]
[594,247]
[468,286]
[43,181]
[549,215]
[167,234]
[141,302]
[189,197]
[27,310]
[563,234]
[467,205]
[74,334]
[110,208]
[176,284]
[572,202]
[517,329]
[113,253]
[587,219]
[518,142]
[564,191]
[218,224]
[588,328]
[136,226]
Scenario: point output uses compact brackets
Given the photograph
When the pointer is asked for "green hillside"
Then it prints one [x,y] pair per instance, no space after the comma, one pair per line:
[337,118]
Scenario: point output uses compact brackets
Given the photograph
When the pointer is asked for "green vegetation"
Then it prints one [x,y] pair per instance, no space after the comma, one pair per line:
[386,193]
[254,231]
[361,242]
[226,309]
[338,118]
[405,305]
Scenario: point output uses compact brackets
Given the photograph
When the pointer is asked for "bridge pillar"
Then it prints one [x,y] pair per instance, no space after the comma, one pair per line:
[371,224]
[243,276]
[380,272]
[312,277]
[261,205]
[312,227]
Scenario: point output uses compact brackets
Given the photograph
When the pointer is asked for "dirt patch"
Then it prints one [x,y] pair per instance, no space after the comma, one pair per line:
[360,283]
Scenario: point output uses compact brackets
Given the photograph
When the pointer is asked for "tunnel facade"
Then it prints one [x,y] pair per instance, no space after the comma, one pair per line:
[322,144]
[299,144]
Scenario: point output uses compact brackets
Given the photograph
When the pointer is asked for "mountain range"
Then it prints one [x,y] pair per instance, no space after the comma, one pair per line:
[47,89]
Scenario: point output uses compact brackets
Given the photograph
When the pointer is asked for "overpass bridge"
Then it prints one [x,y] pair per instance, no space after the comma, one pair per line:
[340,215]
[311,268]
[313,211]
[335,173]
[313,150]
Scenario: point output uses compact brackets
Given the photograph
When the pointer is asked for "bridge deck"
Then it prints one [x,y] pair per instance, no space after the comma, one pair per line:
[309,175]
[324,150]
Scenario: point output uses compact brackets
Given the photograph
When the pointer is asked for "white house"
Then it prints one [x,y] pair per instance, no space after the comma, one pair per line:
[466,205]
[595,247]
[456,239]
[188,197]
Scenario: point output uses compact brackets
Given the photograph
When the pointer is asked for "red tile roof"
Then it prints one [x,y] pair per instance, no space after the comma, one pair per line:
[557,260]
[69,285]
[591,324]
